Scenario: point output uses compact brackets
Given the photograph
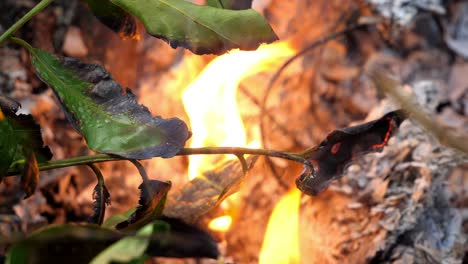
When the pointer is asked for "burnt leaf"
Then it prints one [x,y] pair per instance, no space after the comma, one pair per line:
[20,134]
[101,197]
[153,195]
[230,4]
[30,176]
[201,29]
[331,156]
[111,121]
[182,240]
[207,191]
[113,17]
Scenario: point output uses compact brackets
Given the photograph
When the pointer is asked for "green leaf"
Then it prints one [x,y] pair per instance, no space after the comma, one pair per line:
[111,122]
[67,243]
[201,29]
[131,249]
[20,135]
[113,17]
[151,204]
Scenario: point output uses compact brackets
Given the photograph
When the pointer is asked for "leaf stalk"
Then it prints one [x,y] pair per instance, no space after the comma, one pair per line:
[11,30]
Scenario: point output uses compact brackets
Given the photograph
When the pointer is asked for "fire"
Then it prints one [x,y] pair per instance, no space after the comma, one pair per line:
[210,103]
[221,223]
[281,242]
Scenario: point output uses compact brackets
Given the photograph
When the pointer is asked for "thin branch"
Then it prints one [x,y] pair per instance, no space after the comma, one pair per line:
[245,166]
[141,170]
[392,88]
[302,52]
[10,31]
[84,160]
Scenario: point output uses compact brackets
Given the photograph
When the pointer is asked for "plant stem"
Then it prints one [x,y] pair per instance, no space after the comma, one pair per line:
[7,34]
[83,160]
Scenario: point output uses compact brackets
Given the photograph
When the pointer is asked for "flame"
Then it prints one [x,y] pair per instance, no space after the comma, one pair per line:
[210,100]
[210,103]
[221,223]
[281,242]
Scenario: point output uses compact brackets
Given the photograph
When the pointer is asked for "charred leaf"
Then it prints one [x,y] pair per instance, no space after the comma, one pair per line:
[111,121]
[333,154]
[153,195]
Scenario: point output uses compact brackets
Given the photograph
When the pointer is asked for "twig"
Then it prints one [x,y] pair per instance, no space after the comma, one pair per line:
[305,50]
[10,31]
[392,88]
[141,170]
[280,126]
[83,160]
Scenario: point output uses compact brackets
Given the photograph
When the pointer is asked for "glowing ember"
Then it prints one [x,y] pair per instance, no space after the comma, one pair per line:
[221,223]
[281,244]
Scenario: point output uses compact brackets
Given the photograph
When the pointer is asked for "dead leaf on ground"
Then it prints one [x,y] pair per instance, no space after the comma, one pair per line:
[207,191]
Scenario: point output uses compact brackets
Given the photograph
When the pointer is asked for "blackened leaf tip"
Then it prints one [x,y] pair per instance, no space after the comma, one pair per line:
[110,120]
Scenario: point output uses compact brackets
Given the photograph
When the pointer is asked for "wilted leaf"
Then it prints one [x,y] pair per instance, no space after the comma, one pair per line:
[62,244]
[206,191]
[341,146]
[129,248]
[113,17]
[182,240]
[230,4]
[110,121]
[30,176]
[151,204]
[19,134]
[101,197]
[201,29]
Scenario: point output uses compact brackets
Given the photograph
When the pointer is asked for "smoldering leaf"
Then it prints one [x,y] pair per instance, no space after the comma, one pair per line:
[333,154]
[111,121]
[201,29]
[153,195]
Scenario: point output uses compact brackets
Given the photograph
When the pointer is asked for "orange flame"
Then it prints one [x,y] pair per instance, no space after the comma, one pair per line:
[210,103]
[281,242]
